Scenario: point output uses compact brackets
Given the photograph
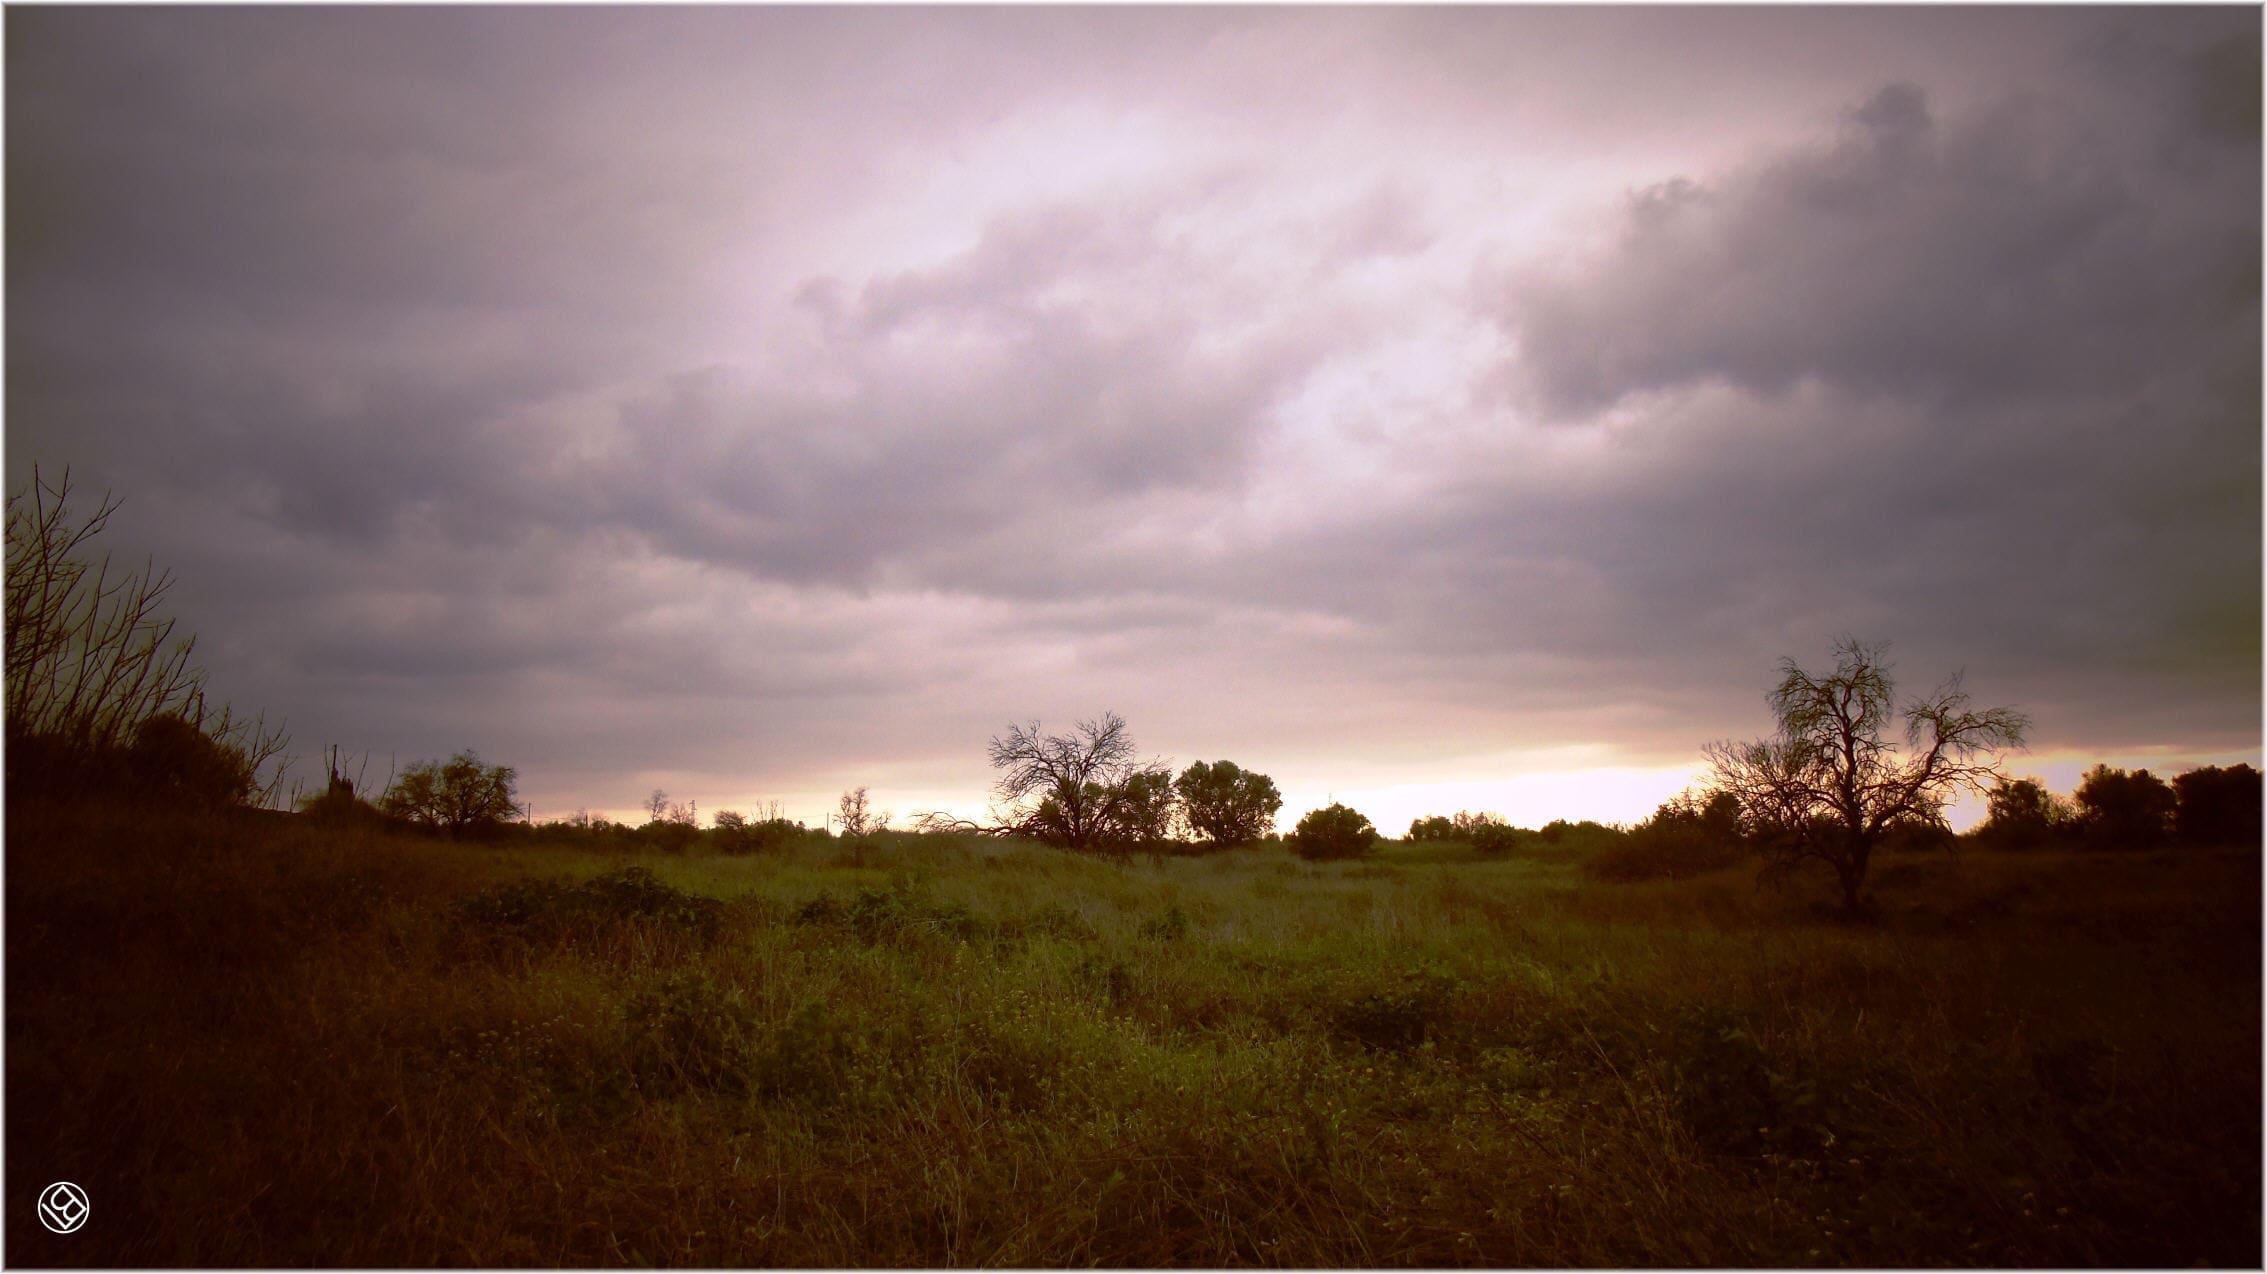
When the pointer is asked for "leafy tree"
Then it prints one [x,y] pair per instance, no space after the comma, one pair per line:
[2218,806]
[458,796]
[1334,831]
[1497,838]
[1830,784]
[1147,814]
[1226,803]
[2022,813]
[1435,827]
[2118,809]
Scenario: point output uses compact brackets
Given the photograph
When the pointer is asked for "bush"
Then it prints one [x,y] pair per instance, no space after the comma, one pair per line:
[1332,833]
[176,763]
[1399,1016]
[687,1031]
[552,912]
[1684,837]
[1496,838]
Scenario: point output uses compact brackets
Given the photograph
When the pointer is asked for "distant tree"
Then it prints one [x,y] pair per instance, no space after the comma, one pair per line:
[2118,809]
[1150,809]
[1334,831]
[1830,784]
[855,814]
[1075,790]
[1497,838]
[730,821]
[1467,823]
[459,796]
[685,815]
[2023,813]
[2218,806]
[656,805]
[1227,804]
[1434,827]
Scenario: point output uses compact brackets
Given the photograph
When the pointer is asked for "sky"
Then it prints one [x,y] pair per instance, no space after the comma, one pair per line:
[1431,408]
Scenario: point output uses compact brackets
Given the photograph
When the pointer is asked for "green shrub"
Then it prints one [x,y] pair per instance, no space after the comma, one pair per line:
[1333,832]
[552,912]
[687,1031]
[1170,925]
[1496,838]
[1398,1016]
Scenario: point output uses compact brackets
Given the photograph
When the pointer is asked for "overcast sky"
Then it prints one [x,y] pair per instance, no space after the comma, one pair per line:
[1431,408]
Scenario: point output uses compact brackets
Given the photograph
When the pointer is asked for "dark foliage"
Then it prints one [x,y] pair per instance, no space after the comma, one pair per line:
[2218,806]
[1333,832]
[1227,804]
[459,796]
[2119,809]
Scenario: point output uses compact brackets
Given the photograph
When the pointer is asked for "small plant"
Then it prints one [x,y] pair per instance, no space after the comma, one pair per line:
[551,912]
[688,1031]
[1333,832]
[1399,1016]
[1171,925]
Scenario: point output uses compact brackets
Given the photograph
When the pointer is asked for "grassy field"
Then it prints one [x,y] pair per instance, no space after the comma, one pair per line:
[260,1042]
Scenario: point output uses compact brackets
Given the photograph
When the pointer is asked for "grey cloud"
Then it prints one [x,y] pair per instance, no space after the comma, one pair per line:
[503,377]
[1986,254]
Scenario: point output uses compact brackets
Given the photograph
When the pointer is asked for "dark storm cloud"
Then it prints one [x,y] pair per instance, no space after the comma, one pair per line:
[2010,252]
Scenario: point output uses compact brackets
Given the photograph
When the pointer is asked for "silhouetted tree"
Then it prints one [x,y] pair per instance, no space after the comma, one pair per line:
[1435,827]
[2218,806]
[1075,790]
[656,805]
[2023,813]
[1830,784]
[855,814]
[91,663]
[2119,809]
[1227,804]
[1334,831]
[458,796]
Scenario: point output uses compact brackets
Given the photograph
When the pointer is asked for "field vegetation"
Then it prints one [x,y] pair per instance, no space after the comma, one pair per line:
[263,1039]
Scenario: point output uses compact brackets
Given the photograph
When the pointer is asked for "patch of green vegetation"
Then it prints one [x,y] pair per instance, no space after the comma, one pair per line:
[275,1042]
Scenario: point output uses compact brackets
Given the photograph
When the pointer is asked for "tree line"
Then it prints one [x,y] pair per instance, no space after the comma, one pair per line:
[103,697]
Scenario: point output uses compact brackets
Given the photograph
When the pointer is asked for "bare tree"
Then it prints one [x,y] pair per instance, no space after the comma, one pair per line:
[656,805]
[856,815]
[90,659]
[1830,784]
[1076,790]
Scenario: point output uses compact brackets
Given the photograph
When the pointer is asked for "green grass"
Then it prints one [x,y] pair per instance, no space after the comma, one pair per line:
[258,1042]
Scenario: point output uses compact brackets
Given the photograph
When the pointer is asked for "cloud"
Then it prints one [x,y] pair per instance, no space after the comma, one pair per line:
[2000,253]
[716,399]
